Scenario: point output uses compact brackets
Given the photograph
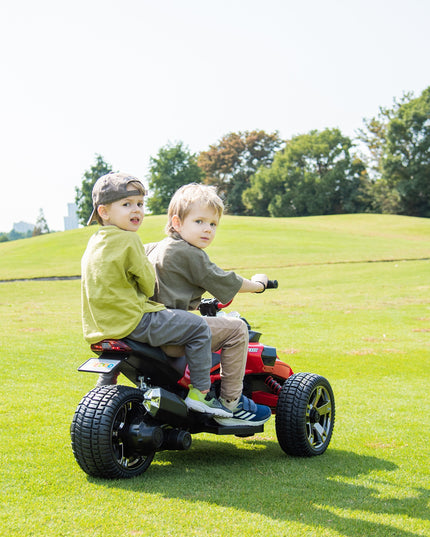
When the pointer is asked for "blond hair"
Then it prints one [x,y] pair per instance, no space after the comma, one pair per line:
[183,199]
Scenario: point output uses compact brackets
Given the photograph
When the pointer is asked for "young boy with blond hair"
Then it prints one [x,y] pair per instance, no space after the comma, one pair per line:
[184,273]
[118,281]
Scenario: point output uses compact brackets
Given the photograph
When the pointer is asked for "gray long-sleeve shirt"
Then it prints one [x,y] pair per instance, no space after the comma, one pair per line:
[184,273]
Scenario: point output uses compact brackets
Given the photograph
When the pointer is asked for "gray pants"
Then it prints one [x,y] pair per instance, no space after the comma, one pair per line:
[178,327]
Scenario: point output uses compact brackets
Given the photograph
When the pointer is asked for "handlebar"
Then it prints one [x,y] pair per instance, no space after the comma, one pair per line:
[209,306]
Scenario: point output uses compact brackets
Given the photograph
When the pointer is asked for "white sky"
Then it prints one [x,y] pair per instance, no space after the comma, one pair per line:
[123,78]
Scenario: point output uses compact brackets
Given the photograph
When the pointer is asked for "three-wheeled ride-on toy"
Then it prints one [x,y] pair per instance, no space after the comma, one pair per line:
[117,430]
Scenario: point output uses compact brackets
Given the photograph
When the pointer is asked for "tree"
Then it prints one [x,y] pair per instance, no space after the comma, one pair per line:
[173,167]
[316,173]
[385,197]
[406,162]
[15,235]
[41,226]
[83,198]
[231,162]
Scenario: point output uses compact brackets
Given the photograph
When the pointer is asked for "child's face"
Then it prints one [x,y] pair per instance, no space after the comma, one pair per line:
[127,213]
[199,226]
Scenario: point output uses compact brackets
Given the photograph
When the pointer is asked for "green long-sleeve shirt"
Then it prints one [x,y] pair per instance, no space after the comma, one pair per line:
[117,282]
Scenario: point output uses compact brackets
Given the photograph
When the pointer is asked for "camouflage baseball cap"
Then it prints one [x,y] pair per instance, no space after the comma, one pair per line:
[113,187]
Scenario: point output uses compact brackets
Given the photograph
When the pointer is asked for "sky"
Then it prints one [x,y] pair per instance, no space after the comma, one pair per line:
[123,79]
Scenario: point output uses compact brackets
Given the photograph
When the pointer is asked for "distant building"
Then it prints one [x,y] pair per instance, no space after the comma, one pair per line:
[22,227]
[71,220]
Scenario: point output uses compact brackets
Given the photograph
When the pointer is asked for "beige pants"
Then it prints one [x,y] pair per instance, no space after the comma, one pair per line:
[231,335]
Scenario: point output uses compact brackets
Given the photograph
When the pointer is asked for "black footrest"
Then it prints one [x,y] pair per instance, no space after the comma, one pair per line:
[239,430]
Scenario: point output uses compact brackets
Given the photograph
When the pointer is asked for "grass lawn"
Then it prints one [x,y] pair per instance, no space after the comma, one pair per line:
[364,325]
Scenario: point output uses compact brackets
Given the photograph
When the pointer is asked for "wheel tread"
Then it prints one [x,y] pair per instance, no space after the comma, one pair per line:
[291,414]
[91,436]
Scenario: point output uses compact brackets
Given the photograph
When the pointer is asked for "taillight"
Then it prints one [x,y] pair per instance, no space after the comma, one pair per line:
[110,345]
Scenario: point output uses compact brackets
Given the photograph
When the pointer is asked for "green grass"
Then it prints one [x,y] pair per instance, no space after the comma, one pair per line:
[242,243]
[364,325]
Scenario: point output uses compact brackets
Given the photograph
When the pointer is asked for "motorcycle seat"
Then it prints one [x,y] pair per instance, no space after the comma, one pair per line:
[157,357]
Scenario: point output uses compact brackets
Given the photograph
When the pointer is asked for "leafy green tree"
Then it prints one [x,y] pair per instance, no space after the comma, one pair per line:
[231,162]
[173,167]
[15,235]
[406,162]
[384,198]
[316,173]
[83,198]
[373,137]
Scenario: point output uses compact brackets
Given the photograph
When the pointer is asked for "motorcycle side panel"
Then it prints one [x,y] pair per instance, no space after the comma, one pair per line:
[279,369]
[265,398]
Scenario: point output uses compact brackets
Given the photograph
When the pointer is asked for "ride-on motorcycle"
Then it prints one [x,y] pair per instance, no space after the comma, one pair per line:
[116,430]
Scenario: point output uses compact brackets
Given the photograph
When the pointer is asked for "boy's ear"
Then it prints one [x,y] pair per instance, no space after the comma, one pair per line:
[102,212]
[176,223]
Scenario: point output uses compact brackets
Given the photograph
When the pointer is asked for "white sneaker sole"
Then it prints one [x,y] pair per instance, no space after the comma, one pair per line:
[237,421]
[198,406]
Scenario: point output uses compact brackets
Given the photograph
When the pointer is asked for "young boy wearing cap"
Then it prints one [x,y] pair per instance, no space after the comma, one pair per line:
[117,281]
[184,272]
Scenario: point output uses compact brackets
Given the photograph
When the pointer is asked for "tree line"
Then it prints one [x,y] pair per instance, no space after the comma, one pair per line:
[385,169]
[40,228]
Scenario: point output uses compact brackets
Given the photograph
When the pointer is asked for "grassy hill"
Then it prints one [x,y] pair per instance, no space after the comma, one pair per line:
[287,242]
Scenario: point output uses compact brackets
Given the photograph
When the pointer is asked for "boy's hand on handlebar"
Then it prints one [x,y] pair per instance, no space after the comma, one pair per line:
[262,280]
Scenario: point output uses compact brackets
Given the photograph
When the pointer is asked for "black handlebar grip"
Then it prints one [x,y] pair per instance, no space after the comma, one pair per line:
[272,284]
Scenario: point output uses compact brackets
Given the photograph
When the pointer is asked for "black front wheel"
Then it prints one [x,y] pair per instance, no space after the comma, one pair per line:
[100,433]
[305,415]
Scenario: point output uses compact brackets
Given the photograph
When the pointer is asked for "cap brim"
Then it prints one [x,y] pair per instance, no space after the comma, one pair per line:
[92,218]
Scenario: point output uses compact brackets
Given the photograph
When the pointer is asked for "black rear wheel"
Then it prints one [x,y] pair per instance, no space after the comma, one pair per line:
[305,415]
[100,430]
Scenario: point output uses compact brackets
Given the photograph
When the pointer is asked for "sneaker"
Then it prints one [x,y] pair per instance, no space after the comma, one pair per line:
[206,403]
[247,413]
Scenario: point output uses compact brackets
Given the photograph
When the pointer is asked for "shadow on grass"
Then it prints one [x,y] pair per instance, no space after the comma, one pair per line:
[257,477]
